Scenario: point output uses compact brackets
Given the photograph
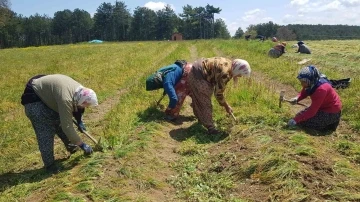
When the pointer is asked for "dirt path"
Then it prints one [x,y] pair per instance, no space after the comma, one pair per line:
[98,113]
[165,146]
[161,150]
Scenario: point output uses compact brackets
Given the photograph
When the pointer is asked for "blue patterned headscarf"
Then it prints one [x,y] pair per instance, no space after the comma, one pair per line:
[312,76]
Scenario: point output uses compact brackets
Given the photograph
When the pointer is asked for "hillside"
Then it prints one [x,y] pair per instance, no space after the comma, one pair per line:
[149,159]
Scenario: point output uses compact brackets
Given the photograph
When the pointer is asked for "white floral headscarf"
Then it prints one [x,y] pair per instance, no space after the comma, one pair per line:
[83,94]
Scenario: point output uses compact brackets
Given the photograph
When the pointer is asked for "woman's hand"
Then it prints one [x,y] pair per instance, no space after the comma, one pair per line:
[228,108]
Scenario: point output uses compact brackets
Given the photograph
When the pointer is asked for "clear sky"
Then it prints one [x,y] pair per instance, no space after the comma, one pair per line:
[235,13]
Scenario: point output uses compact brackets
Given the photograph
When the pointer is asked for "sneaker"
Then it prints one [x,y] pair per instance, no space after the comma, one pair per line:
[216,135]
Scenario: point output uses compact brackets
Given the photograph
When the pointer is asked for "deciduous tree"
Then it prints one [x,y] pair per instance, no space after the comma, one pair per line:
[284,33]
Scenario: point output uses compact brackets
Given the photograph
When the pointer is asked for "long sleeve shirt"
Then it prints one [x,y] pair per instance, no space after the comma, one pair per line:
[57,92]
[280,48]
[323,99]
[217,71]
[169,82]
[304,49]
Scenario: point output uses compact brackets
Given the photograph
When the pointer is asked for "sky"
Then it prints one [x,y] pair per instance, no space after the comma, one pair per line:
[235,13]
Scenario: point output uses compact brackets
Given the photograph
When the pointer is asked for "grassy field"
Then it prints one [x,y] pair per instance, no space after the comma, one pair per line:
[149,159]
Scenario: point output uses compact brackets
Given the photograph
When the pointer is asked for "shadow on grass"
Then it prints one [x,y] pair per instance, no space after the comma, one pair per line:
[310,131]
[153,113]
[198,133]
[11,179]
[313,132]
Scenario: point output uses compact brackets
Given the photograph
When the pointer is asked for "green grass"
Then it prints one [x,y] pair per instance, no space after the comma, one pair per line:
[260,160]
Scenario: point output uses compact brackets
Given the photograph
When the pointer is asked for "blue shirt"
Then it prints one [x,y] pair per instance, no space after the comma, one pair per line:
[169,82]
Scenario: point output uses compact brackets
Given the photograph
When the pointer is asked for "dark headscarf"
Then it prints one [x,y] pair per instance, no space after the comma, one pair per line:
[312,76]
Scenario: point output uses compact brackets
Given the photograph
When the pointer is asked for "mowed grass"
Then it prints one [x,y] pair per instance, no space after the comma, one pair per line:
[93,66]
[336,59]
[261,160]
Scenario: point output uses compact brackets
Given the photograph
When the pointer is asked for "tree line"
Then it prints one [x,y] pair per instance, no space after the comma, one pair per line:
[114,22]
[301,31]
[111,22]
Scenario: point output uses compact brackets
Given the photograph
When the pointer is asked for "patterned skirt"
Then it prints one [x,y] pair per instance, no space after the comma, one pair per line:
[200,93]
[46,124]
[322,121]
[274,53]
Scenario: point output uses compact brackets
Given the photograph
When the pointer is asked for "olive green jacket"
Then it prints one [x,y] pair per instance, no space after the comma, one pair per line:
[57,92]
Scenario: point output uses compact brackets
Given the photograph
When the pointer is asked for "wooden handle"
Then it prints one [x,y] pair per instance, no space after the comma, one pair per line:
[281,97]
[233,116]
[298,103]
[86,133]
[158,102]
[89,136]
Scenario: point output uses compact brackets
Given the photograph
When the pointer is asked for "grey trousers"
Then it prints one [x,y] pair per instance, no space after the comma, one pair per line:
[46,123]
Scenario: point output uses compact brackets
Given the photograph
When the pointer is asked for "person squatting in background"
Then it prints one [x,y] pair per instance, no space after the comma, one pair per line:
[325,110]
[208,76]
[176,89]
[277,50]
[50,102]
[303,48]
[260,37]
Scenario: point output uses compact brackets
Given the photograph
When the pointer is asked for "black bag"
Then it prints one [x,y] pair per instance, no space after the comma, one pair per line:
[29,95]
[342,83]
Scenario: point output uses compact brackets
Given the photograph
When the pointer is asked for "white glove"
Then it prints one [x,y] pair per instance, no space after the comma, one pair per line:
[291,122]
[293,100]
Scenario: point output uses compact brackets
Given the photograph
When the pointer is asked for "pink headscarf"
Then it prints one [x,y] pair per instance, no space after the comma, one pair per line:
[87,95]
[240,68]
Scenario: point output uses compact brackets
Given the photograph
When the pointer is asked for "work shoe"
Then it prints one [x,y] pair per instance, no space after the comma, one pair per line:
[53,168]
[72,148]
[213,131]
[170,118]
[217,135]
